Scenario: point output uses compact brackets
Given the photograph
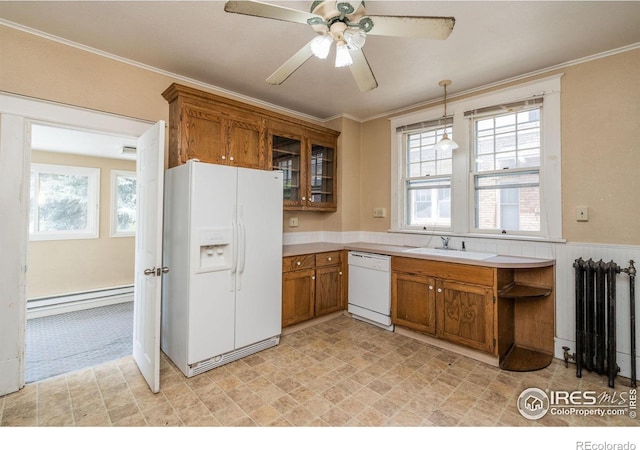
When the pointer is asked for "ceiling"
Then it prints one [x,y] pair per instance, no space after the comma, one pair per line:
[491,42]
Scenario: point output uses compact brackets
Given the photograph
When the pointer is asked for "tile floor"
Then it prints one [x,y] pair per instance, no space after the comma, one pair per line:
[333,374]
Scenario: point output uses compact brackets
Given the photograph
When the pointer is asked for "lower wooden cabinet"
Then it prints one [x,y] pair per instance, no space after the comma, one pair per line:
[312,285]
[329,290]
[414,302]
[429,297]
[298,296]
[465,314]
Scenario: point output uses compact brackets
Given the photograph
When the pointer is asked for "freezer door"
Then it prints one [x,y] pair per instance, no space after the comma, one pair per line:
[212,296]
[259,277]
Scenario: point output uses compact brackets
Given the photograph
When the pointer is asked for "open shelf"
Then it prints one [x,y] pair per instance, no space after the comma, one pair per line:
[519,290]
[522,359]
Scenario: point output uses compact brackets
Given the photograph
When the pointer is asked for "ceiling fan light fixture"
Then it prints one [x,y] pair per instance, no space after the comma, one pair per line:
[445,143]
[320,45]
[343,57]
[354,38]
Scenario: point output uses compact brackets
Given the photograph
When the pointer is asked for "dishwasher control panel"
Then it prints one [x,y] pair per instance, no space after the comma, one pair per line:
[370,261]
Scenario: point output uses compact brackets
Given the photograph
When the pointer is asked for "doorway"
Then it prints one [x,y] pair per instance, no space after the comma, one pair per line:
[17,114]
[82,210]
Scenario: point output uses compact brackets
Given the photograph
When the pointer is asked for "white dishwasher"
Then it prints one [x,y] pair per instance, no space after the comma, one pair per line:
[370,288]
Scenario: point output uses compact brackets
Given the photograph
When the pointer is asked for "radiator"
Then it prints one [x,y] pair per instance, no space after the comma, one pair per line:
[596,318]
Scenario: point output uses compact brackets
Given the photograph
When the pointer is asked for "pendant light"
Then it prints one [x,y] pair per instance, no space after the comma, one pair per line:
[445,143]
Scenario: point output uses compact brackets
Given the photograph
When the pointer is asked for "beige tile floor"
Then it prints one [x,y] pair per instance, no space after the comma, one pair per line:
[333,374]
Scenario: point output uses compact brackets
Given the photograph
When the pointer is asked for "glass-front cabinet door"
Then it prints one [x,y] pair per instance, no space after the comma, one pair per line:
[287,156]
[322,174]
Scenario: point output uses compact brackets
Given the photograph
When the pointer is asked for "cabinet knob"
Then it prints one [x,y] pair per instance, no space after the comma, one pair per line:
[439,290]
[340,273]
[231,158]
[430,288]
[223,157]
[329,258]
[304,198]
[298,263]
[313,277]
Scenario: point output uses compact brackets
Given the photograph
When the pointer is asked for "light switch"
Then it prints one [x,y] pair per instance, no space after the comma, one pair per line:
[379,212]
[582,213]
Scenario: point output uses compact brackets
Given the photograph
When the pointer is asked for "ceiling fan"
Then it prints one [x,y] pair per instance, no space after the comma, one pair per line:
[346,24]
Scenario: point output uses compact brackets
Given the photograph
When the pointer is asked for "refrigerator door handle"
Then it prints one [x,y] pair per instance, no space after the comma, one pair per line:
[243,247]
[234,256]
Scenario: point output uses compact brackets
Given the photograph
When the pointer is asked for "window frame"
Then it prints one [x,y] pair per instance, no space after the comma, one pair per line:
[115,173]
[440,180]
[93,202]
[497,172]
[462,188]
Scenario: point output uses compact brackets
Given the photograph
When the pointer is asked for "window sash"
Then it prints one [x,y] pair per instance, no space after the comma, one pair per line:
[494,196]
[81,225]
[119,209]
[427,176]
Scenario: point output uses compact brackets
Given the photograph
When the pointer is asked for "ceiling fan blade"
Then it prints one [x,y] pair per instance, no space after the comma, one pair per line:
[291,65]
[260,9]
[415,27]
[361,71]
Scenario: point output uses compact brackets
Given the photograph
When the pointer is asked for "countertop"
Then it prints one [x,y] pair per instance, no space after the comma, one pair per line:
[500,261]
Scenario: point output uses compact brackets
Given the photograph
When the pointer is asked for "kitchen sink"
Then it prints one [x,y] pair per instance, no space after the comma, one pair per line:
[450,253]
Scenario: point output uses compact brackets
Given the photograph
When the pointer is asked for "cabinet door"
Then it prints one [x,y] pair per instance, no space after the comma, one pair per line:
[203,136]
[328,290]
[286,155]
[245,143]
[465,314]
[322,176]
[298,296]
[413,302]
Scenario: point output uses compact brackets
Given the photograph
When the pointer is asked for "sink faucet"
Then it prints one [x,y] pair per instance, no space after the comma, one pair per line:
[445,242]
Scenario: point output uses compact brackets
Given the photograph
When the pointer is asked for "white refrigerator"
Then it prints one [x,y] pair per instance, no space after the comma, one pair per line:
[222,296]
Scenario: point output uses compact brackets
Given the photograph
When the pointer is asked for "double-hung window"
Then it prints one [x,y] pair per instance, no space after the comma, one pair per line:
[64,202]
[427,177]
[504,180]
[506,169]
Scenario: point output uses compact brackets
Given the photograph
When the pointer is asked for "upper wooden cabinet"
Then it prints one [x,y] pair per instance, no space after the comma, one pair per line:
[308,159]
[220,130]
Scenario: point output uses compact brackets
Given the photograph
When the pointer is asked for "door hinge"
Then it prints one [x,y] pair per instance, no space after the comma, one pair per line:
[494,342]
[494,299]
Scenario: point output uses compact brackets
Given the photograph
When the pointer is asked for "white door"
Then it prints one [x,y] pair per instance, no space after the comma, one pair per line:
[14,204]
[148,264]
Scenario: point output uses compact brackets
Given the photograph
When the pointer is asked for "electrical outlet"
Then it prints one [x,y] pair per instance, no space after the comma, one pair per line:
[293,222]
[582,213]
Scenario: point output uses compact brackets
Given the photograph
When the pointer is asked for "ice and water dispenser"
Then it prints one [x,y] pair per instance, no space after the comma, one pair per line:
[215,249]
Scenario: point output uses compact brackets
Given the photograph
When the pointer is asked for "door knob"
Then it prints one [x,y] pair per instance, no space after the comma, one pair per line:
[150,271]
[165,270]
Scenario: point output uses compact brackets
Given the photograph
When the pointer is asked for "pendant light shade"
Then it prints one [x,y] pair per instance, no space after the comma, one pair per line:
[445,143]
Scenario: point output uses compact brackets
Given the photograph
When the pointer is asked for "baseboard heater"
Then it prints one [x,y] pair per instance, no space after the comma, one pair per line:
[57,304]
[596,317]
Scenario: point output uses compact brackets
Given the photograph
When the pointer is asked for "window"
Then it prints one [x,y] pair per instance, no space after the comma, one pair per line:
[507,171]
[504,180]
[123,203]
[64,202]
[427,178]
